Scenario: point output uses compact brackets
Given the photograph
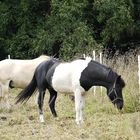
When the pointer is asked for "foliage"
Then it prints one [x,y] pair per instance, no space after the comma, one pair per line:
[70,28]
[19,20]
[116,19]
[65,25]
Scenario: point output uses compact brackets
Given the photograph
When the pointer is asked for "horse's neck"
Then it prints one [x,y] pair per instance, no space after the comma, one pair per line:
[101,75]
[106,80]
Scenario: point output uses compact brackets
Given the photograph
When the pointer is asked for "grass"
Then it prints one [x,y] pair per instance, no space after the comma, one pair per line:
[101,120]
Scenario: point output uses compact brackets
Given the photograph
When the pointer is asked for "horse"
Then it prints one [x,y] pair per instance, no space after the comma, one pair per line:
[15,73]
[77,77]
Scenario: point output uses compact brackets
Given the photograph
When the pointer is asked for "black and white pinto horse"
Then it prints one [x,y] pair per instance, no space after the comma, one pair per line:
[75,77]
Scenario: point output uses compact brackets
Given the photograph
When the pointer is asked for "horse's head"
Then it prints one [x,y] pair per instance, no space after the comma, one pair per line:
[115,92]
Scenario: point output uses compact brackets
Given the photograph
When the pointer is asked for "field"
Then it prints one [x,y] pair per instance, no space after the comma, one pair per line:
[102,121]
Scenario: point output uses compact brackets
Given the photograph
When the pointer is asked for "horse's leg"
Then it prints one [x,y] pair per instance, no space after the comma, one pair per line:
[36,98]
[81,109]
[1,96]
[5,92]
[79,102]
[53,96]
[40,105]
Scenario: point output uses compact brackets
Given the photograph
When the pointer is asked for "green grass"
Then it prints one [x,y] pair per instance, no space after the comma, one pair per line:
[102,121]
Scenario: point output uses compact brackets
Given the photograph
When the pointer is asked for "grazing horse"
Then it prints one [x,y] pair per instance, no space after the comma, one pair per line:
[75,77]
[16,74]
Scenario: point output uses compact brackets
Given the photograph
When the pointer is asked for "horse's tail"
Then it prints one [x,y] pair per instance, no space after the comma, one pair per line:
[25,94]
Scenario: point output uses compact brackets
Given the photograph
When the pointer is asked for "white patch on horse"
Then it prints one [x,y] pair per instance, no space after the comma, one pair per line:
[66,77]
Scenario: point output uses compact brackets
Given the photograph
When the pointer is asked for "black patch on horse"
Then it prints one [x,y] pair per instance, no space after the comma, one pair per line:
[94,74]
[50,73]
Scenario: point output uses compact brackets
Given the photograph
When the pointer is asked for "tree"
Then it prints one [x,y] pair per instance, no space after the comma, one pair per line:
[66,25]
[19,21]
[67,28]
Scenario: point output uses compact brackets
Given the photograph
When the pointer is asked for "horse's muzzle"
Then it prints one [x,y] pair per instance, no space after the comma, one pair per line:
[119,105]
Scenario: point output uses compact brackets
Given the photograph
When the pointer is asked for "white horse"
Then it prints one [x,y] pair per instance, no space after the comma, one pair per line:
[16,73]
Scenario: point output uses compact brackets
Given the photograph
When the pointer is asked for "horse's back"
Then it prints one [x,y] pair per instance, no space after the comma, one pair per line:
[20,72]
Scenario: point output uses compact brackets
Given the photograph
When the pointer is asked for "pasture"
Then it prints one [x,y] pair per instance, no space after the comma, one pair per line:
[101,120]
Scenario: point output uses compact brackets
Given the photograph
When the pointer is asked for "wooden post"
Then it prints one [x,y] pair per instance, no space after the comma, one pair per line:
[84,55]
[139,71]
[94,88]
[101,58]
[101,61]
[9,57]
[94,57]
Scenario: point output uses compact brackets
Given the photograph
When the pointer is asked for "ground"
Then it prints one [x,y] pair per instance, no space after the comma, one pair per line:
[102,121]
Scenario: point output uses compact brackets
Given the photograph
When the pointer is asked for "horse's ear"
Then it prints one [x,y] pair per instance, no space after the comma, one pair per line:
[119,79]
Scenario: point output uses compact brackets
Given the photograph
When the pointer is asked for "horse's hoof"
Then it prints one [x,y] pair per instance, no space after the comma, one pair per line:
[54,115]
[41,118]
[42,121]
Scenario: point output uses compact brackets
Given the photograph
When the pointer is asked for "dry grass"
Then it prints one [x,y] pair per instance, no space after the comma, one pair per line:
[101,120]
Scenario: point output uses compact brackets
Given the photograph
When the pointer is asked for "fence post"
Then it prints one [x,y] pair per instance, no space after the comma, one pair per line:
[139,71]
[9,57]
[84,55]
[101,61]
[94,57]
[94,88]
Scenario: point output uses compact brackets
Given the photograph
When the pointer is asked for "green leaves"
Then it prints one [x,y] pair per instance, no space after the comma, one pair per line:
[30,28]
[79,42]
[116,18]
[66,24]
